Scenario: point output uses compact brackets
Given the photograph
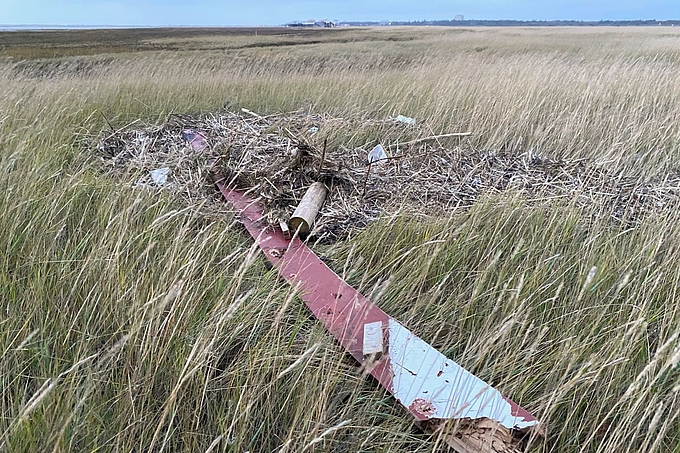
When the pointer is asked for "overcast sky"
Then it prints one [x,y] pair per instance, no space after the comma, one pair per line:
[272,12]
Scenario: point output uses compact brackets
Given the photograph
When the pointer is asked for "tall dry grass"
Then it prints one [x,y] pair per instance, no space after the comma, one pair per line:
[133,322]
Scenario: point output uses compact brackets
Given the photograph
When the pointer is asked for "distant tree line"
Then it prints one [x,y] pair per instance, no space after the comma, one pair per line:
[521,23]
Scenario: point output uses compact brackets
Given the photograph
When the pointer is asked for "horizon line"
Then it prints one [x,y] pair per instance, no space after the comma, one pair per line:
[36,26]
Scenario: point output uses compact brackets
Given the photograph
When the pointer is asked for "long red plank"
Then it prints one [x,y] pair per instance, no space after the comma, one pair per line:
[433,388]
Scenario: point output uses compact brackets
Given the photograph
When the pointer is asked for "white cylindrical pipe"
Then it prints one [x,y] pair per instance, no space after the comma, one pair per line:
[304,215]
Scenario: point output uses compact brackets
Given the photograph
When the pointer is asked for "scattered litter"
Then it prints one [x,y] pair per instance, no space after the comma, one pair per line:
[284,229]
[160,176]
[376,154]
[195,139]
[274,158]
[406,119]
[312,130]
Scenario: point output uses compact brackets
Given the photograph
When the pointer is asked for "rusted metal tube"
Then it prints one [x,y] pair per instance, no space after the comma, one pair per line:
[304,215]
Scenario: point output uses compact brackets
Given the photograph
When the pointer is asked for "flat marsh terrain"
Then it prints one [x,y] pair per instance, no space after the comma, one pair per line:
[133,320]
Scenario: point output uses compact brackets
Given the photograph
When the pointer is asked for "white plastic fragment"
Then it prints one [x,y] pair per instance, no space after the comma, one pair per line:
[377,154]
[406,119]
[312,130]
[373,338]
[160,176]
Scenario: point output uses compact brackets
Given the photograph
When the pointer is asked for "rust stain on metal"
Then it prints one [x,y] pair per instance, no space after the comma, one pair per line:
[276,253]
[422,406]
[434,389]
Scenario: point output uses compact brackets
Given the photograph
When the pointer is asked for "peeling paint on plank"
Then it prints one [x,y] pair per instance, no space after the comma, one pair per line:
[429,385]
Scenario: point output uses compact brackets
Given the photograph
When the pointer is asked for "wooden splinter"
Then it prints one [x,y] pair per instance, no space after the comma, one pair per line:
[304,215]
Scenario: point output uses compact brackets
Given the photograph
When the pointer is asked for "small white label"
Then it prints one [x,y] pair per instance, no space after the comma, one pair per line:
[373,338]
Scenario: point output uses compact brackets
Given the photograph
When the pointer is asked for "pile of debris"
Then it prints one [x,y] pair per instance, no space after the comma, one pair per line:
[277,158]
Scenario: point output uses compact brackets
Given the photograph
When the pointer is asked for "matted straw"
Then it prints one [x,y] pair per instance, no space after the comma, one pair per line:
[278,157]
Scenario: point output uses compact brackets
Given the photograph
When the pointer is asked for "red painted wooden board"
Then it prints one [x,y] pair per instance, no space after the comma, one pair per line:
[429,385]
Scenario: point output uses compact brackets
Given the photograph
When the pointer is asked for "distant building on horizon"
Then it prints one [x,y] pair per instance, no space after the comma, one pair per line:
[458,17]
[314,23]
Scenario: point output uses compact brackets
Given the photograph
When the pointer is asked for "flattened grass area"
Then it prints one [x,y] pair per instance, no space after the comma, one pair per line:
[131,321]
